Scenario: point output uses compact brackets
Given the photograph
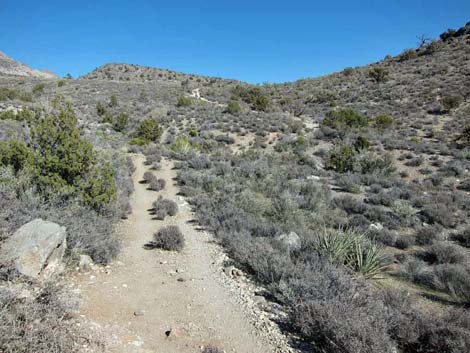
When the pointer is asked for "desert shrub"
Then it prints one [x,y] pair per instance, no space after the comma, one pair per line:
[463,237]
[408,54]
[418,331]
[443,253]
[403,242]
[451,102]
[211,349]
[164,207]
[361,144]
[341,158]
[181,145]
[184,101]
[99,189]
[16,154]
[348,71]
[8,115]
[371,163]
[254,96]
[378,74]
[464,185]
[167,238]
[225,139]
[61,83]
[12,94]
[405,211]
[349,204]
[343,119]
[428,235]
[349,183]
[383,122]
[415,162]
[456,281]
[41,324]
[100,109]
[63,157]
[137,141]
[351,249]
[156,184]
[149,130]
[148,176]
[113,101]
[433,213]
[120,122]
[337,313]
[433,47]
[465,135]
[233,107]
[38,88]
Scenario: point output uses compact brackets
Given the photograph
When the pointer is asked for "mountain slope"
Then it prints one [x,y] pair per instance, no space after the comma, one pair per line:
[8,66]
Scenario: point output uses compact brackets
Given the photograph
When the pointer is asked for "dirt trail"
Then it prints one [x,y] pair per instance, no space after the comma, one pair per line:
[136,300]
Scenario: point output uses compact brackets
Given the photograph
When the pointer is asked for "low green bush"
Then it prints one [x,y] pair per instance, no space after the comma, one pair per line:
[233,107]
[184,101]
[344,119]
[383,122]
[378,74]
[149,130]
[341,158]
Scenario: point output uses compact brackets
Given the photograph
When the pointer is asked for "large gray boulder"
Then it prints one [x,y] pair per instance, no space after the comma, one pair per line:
[36,249]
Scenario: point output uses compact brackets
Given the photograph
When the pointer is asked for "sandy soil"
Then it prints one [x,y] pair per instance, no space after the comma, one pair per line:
[157,301]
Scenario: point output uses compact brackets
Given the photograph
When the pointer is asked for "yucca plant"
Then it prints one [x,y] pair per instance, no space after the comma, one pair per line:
[352,250]
[367,258]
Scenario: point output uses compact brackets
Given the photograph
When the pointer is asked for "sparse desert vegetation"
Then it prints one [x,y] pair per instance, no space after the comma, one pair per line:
[345,197]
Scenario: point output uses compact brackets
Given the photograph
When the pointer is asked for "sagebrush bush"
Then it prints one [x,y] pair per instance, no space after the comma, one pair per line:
[463,237]
[41,324]
[443,253]
[428,235]
[164,207]
[455,279]
[167,238]
[157,184]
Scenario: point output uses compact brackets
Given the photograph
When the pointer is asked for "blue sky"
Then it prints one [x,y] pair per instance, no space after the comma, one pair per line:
[254,41]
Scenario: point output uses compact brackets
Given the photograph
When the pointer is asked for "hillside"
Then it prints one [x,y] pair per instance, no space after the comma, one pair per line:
[8,66]
[328,214]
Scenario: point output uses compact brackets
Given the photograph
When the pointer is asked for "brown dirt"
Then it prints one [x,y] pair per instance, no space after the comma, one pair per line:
[181,292]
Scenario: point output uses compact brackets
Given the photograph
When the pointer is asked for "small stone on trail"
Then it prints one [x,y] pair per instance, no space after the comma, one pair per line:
[181,279]
[139,313]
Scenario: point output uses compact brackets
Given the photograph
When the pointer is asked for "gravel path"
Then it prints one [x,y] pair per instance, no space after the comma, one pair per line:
[157,301]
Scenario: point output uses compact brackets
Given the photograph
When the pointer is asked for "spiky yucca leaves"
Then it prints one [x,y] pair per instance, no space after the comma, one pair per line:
[351,249]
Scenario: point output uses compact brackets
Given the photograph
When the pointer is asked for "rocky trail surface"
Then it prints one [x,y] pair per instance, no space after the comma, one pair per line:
[168,302]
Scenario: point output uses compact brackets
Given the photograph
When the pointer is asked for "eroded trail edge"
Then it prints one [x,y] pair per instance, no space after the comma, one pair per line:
[157,301]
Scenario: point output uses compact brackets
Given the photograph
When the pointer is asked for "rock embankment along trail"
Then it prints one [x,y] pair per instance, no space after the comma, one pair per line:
[167,302]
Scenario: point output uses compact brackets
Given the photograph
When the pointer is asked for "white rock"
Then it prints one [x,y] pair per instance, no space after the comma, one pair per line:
[36,249]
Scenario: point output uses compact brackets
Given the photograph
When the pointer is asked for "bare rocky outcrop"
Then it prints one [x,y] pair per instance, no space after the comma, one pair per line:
[36,249]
